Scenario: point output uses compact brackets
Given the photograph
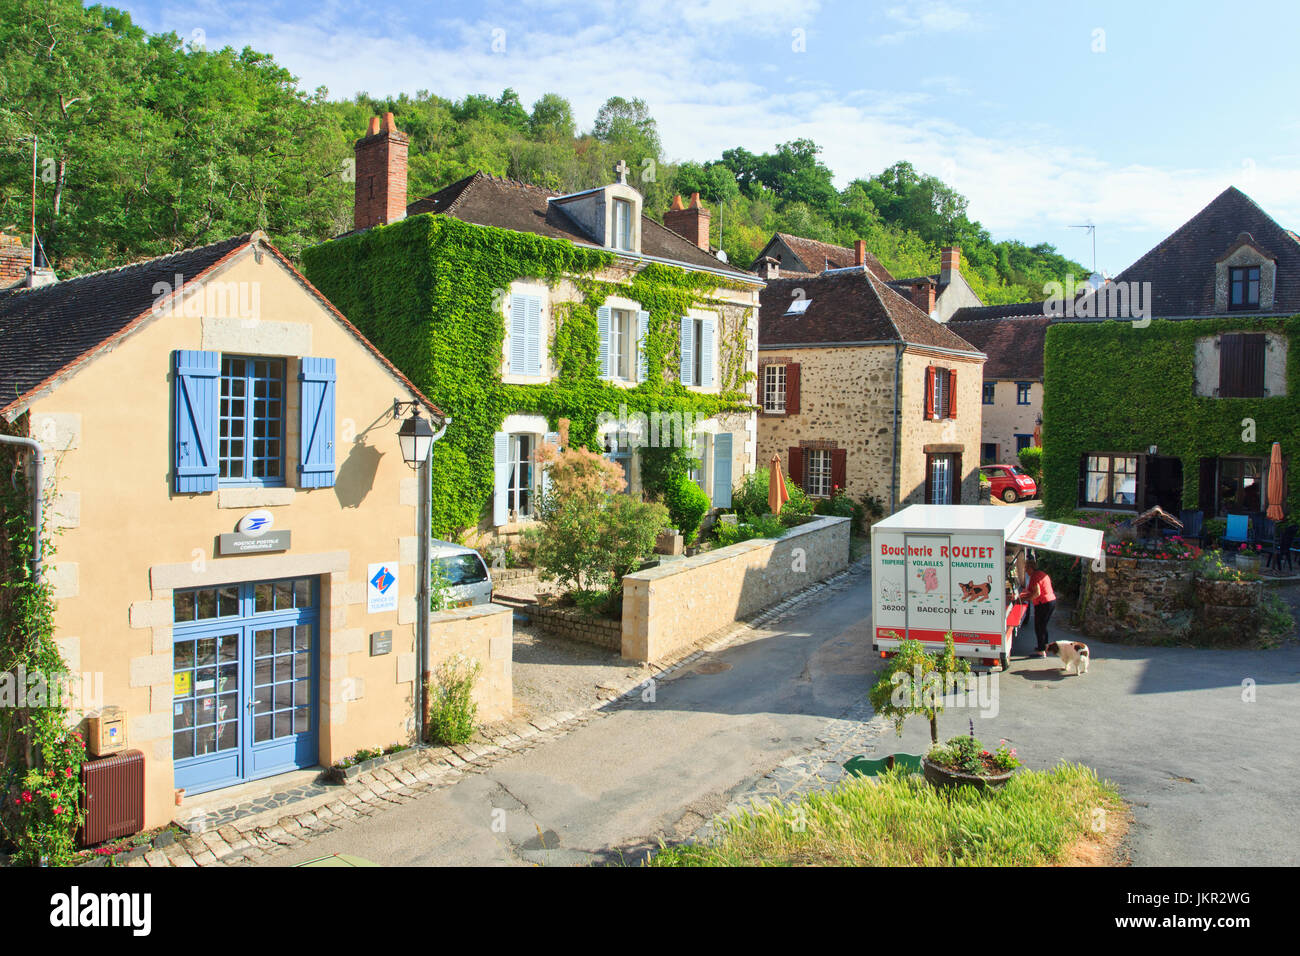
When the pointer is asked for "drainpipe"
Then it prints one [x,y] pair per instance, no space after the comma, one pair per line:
[898,438]
[38,459]
[423,521]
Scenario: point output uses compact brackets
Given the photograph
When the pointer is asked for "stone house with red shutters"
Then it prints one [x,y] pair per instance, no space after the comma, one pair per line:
[858,389]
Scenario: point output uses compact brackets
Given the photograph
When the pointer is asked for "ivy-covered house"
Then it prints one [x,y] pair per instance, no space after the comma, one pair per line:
[516,308]
[1177,398]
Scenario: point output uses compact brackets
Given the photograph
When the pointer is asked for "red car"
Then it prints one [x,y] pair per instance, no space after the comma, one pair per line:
[1010,483]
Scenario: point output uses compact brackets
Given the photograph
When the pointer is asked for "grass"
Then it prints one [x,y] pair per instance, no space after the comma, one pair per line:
[1037,819]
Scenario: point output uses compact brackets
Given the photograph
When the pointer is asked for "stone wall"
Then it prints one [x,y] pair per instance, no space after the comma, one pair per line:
[670,607]
[1137,599]
[485,633]
[577,625]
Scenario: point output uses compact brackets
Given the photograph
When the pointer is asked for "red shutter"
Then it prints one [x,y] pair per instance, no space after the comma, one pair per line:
[839,467]
[795,467]
[929,393]
[792,389]
[952,393]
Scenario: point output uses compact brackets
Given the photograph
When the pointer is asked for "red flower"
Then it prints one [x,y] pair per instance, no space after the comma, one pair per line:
[27,796]
[67,772]
[58,809]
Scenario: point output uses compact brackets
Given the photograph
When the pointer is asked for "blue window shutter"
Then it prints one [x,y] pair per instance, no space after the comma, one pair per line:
[533,319]
[518,334]
[551,438]
[602,331]
[706,354]
[642,331]
[194,414]
[316,423]
[722,470]
[500,477]
[688,357]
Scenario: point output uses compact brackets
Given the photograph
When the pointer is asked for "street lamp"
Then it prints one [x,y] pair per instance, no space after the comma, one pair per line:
[416,437]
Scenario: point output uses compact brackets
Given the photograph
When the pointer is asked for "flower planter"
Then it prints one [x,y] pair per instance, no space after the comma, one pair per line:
[942,778]
[1248,562]
[1228,593]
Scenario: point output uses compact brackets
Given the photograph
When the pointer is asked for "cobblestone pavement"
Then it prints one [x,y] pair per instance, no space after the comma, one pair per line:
[250,834]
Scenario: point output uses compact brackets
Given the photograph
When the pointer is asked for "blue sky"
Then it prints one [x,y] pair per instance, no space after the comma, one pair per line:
[1129,115]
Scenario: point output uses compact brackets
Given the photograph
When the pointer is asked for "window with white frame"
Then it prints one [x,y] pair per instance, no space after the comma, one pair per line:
[520,489]
[699,463]
[251,421]
[622,344]
[817,472]
[774,389]
[623,225]
[618,449]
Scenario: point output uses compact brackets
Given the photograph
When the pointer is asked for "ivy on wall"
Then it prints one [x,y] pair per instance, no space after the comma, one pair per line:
[429,292]
[1112,386]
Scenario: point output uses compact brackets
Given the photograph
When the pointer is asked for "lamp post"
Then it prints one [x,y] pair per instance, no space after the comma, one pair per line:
[416,437]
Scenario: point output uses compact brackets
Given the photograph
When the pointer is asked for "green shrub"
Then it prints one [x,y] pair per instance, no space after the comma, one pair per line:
[762,526]
[687,506]
[1066,572]
[1031,460]
[451,701]
[749,499]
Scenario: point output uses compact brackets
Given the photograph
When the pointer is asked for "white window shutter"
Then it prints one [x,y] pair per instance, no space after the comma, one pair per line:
[602,332]
[688,354]
[533,321]
[722,470]
[706,354]
[500,477]
[642,330]
[518,335]
[551,438]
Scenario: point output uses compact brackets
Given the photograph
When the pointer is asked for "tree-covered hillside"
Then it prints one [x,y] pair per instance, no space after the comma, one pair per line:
[147,144]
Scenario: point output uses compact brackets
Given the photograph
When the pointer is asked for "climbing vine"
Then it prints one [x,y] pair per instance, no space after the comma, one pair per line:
[1113,386]
[429,292]
[41,756]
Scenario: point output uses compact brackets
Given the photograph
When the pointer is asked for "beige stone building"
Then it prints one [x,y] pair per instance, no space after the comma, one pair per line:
[236,525]
[860,390]
[1012,337]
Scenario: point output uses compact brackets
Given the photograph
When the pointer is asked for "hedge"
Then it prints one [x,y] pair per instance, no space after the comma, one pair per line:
[1114,386]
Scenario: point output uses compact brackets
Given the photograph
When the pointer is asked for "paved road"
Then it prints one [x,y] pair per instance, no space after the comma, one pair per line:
[1211,776]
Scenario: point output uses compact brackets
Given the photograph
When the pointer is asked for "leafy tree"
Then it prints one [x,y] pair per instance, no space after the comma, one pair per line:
[552,117]
[627,122]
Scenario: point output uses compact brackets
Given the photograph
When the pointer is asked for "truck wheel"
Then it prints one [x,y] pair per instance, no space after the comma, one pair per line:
[1009,496]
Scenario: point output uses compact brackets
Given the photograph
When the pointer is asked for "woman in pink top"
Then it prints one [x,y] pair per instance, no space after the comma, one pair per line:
[1043,598]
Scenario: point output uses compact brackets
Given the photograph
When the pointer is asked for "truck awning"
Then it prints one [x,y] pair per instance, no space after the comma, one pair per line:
[1054,536]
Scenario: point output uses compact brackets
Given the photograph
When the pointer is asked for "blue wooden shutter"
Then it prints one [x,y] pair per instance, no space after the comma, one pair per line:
[500,477]
[688,355]
[722,470]
[533,321]
[194,414]
[316,423]
[551,438]
[602,331]
[642,331]
[519,335]
[706,354]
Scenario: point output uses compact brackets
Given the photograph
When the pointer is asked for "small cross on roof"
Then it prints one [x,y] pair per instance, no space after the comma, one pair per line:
[620,170]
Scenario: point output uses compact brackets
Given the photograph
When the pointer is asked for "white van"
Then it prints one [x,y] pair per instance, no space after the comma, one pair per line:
[464,572]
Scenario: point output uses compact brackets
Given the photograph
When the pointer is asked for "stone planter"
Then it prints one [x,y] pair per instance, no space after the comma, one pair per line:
[1248,561]
[941,778]
[1228,593]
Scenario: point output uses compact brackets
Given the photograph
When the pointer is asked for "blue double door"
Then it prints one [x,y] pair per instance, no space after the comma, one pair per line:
[245,681]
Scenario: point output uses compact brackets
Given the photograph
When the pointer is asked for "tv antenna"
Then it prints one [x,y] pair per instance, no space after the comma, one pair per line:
[1093,230]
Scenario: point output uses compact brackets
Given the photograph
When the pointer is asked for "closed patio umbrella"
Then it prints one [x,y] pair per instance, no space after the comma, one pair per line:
[777,495]
[1275,490]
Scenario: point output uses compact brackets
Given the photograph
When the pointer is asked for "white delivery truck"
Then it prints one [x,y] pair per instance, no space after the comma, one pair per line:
[959,568]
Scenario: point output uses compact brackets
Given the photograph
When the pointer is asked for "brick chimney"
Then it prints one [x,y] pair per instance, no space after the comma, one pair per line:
[15,259]
[381,174]
[949,263]
[922,294]
[860,252]
[690,222]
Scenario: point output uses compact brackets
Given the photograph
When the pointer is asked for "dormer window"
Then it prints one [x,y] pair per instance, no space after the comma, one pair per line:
[1243,287]
[623,225]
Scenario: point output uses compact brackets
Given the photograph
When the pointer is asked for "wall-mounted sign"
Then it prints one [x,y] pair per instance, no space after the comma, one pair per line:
[381,642]
[381,588]
[256,523]
[260,543]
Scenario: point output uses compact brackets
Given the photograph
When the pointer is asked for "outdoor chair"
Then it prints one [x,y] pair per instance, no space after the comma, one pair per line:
[1263,529]
[1238,530]
[1193,526]
[1283,548]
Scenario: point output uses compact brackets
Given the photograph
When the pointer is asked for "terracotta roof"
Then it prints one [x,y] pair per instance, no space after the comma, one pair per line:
[508,204]
[1181,268]
[852,305]
[818,256]
[1014,345]
[49,332]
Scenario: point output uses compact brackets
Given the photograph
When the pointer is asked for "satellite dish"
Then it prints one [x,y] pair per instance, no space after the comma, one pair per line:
[1096,281]
[722,255]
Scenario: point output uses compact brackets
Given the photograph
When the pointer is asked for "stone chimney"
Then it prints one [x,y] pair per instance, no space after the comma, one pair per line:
[860,252]
[949,263]
[768,267]
[15,260]
[922,294]
[381,159]
[690,222]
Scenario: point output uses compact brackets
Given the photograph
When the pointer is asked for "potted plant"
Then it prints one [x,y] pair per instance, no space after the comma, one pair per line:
[964,761]
[1249,558]
[914,684]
